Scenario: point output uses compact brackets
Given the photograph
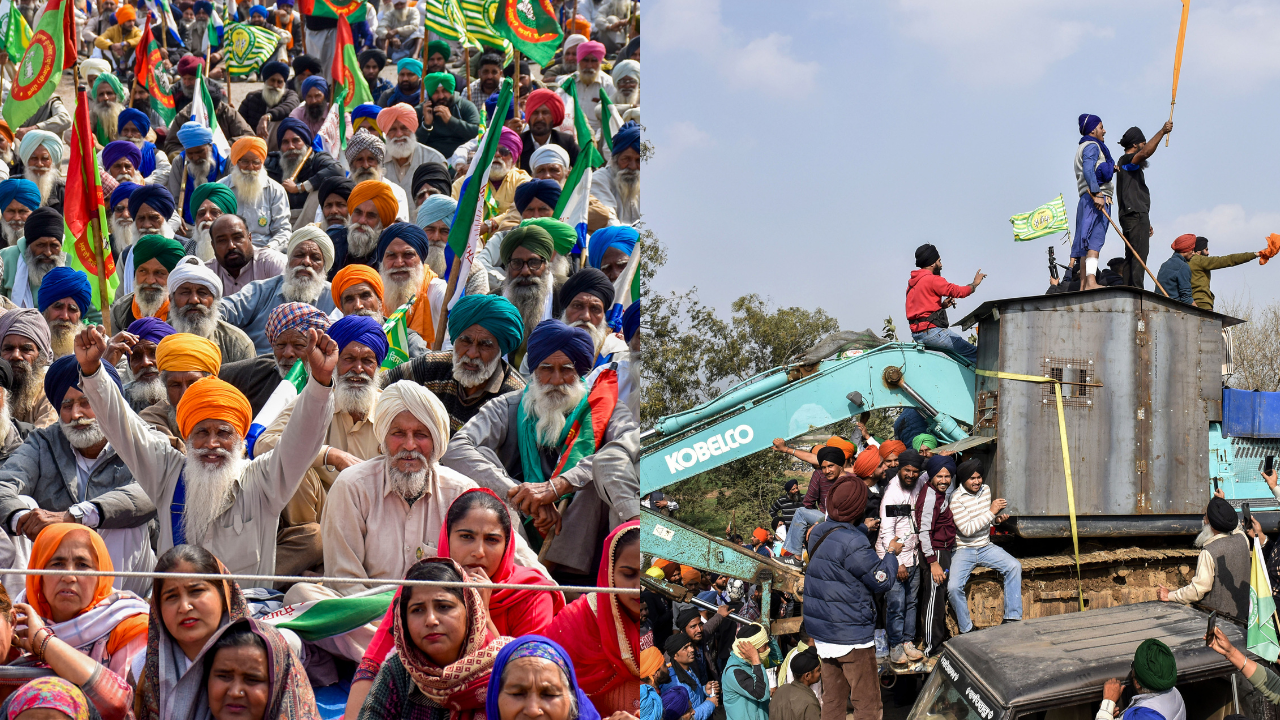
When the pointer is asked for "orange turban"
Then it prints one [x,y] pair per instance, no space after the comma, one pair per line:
[212,399]
[849,448]
[381,195]
[184,352]
[867,462]
[760,534]
[42,551]
[6,132]
[650,661]
[126,13]
[578,26]
[255,145]
[352,275]
[891,447]
[690,576]
[400,111]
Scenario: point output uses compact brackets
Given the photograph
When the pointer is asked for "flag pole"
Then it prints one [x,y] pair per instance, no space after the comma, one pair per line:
[515,74]
[1177,61]
[466,67]
[440,322]
[95,232]
[1135,254]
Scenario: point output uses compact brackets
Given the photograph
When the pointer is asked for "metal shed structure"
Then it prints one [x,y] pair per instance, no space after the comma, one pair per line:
[1146,381]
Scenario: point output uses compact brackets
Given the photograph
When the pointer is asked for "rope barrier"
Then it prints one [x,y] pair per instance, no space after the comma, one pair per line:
[316,580]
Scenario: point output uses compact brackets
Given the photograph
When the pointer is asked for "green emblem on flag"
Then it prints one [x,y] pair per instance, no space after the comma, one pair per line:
[1261,639]
[247,47]
[1048,219]
[397,336]
[15,33]
[531,27]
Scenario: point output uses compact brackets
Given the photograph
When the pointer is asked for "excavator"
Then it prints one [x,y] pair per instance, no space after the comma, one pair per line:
[1151,432]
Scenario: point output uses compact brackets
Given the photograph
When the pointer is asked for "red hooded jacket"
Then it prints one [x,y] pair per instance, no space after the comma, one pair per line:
[924,297]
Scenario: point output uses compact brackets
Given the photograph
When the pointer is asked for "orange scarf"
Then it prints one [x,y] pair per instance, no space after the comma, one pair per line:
[162,313]
[420,318]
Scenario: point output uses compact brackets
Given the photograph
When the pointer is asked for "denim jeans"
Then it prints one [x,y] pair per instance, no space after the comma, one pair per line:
[804,519]
[962,564]
[900,600]
[947,339]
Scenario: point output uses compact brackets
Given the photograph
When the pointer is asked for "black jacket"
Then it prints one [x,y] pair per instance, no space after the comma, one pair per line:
[341,258]
[446,137]
[564,140]
[317,167]
[253,107]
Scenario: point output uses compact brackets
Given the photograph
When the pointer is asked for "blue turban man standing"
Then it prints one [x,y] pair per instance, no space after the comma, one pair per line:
[524,430]
[66,302]
[1095,172]
[197,164]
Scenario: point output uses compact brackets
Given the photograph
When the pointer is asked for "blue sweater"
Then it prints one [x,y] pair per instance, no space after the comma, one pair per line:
[841,581]
[1175,278]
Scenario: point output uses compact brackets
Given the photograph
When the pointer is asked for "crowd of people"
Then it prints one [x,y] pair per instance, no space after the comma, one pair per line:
[494,440]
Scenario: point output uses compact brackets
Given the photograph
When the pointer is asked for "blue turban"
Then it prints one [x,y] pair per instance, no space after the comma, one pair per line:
[204,5]
[410,64]
[407,232]
[622,237]
[491,104]
[362,329]
[20,189]
[436,208]
[1087,123]
[548,191]
[64,374]
[491,312]
[151,329]
[117,150]
[551,336]
[631,321]
[275,67]
[122,193]
[137,117]
[315,81]
[628,136]
[675,702]
[156,197]
[937,462]
[63,282]
[193,134]
[298,128]
[257,10]
[367,110]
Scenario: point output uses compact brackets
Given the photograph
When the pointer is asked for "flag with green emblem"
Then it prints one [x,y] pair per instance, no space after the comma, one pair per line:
[531,27]
[15,33]
[397,336]
[1261,639]
[246,47]
[1048,219]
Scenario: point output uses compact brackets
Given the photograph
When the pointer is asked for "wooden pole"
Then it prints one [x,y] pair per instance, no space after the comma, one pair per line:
[466,70]
[1177,60]
[443,317]
[515,99]
[1135,254]
[305,158]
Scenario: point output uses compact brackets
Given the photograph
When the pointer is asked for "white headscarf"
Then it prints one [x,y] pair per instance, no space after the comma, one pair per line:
[549,153]
[190,270]
[315,235]
[407,395]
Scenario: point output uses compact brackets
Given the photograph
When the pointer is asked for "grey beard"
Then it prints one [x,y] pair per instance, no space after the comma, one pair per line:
[363,174]
[124,231]
[248,186]
[283,370]
[108,114]
[627,97]
[401,148]
[498,170]
[627,183]
[28,384]
[587,77]
[362,239]
[1206,533]
[550,404]
[530,299]
[146,392]
[204,243]
[62,336]
[435,259]
[195,319]
[44,180]
[272,96]
[289,161]
[149,297]
[367,312]
[302,285]
[83,433]
[13,231]
[397,292]
[210,490]
[353,396]
[199,171]
[473,378]
[409,486]
[38,268]
[598,332]
[6,418]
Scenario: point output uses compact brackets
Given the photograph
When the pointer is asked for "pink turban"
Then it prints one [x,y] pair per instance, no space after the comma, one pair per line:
[510,140]
[590,48]
[400,111]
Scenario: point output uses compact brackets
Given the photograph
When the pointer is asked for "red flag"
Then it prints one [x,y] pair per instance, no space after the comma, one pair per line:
[142,65]
[69,41]
[84,199]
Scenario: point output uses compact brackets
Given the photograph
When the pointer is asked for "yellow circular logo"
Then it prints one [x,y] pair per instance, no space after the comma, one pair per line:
[262,222]
[1041,219]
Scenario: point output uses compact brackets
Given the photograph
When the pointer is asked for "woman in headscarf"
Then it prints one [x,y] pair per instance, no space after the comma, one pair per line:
[535,675]
[187,617]
[48,697]
[445,649]
[601,631]
[251,672]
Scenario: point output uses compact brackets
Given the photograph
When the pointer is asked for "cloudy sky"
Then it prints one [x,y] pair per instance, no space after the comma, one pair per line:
[804,149]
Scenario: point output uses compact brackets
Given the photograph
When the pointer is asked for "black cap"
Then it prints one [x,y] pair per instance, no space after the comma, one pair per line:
[1133,136]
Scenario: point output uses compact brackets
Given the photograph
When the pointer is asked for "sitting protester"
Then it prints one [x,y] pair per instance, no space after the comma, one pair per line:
[251,673]
[24,344]
[530,662]
[152,258]
[288,326]
[975,512]
[64,299]
[138,344]
[357,290]
[63,698]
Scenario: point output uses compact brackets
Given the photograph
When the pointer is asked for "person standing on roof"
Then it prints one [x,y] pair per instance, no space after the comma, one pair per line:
[928,297]
[1154,675]
[1202,263]
[1221,581]
[1134,199]
[1095,172]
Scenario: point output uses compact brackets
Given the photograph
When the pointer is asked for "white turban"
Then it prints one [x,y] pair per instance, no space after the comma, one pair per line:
[315,235]
[407,395]
[626,68]
[572,42]
[190,270]
[34,139]
[549,153]
[94,66]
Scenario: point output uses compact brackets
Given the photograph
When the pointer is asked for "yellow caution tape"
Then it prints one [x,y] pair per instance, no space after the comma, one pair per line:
[1066,460]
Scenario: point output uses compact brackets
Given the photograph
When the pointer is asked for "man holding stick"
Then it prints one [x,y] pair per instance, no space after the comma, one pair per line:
[1135,200]
[1094,179]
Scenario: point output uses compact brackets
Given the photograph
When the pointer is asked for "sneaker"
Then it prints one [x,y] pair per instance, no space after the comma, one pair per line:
[909,649]
[897,656]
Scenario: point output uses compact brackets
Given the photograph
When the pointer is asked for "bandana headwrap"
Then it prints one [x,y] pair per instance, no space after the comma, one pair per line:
[36,138]
[360,329]
[409,396]
[213,399]
[410,234]
[30,324]
[250,144]
[435,80]
[64,374]
[137,117]
[551,336]
[220,194]
[754,634]
[587,280]
[118,149]
[51,693]
[548,98]
[184,352]
[63,282]
[193,135]
[151,329]
[354,275]
[365,140]
[491,312]
[20,189]
[156,197]
[315,235]
[403,112]
[548,191]
[622,237]
[295,316]
[436,208]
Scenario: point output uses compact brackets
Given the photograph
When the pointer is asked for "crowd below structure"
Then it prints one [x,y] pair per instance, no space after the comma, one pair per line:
[281,385]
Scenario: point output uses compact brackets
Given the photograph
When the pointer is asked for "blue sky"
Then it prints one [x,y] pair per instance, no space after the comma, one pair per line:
[804,149]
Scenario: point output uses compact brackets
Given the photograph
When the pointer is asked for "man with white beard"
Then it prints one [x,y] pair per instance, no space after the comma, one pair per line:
[402,248]
[357,290]
[137,346]
[153,211]
[155,256]
[309,253]
[607,486]
[364,154]
[24,344]
[435,217]
[235,260]
[586,298]
[371,207]
[120,161]
[261,201]
[589,81]
[194,292]
[385,513]
[297,167]
[18,199]
[533,199]
[483,328]
[41,154]
[209,202]
[105,105]
[263,109]
[231,505]
[123,231]
[64,298]
[530,285]
[68,472]
[349,441]
[135,126]
[37,252]
[504,176]
[617,185]
[1224,550]
[404,153]
[197,165]
[626,77]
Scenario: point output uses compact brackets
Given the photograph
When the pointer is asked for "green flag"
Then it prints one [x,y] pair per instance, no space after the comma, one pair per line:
[470,206]
[1261,639]
[350,87]
[246,47]
[397,336]
[42,64]
[1048,219]
[479,16]
[15,33]
[610,120]
[531,27]
[444,18]
[582,131]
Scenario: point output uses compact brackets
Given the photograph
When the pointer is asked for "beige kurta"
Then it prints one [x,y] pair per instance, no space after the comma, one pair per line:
[41,414]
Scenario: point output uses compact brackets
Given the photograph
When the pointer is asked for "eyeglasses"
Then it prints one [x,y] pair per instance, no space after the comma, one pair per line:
[534,264]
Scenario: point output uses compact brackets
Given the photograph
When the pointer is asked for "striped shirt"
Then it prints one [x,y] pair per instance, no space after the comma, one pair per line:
[973,516]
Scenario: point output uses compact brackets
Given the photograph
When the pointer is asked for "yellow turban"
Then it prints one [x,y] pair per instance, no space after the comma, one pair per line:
[381,195]
[184,352]
[213,399]
[354,275]
[255,145]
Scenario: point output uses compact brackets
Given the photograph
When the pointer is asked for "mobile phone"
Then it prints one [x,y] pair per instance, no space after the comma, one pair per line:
[903,510]
[1268,464]
[1213,625]
[1248,517]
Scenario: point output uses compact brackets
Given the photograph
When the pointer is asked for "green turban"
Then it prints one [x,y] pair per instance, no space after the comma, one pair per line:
[924,440]
[114,82]
[562,233]
[536,239]
[220,194]
[439,46]
[434,80]
[491,312]
[167,250]
[1154,666]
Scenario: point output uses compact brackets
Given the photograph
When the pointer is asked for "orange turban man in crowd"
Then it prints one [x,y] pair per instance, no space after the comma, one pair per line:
[260,201]
[182,359]
[371,207]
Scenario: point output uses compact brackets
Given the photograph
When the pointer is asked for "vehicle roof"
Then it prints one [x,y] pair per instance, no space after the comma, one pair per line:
[1051,658]
[1102,294]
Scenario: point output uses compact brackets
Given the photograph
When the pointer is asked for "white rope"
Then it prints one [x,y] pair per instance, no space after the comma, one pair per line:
[314,580]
